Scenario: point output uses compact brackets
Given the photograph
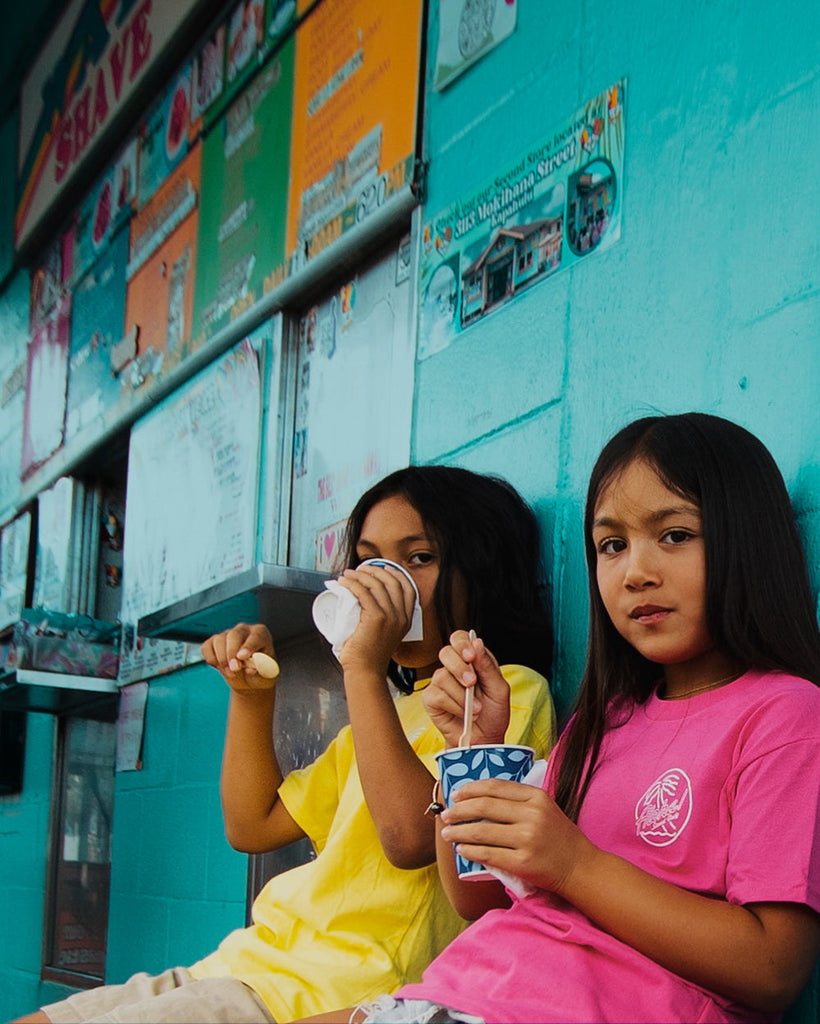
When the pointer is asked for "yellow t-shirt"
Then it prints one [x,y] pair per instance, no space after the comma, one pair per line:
[348,926]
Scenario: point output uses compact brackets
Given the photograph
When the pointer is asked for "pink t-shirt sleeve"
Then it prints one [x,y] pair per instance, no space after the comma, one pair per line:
[774,803]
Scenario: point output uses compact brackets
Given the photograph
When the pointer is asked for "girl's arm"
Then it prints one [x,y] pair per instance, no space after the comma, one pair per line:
[395,782]
[469,899]
[256,820]
[759,954]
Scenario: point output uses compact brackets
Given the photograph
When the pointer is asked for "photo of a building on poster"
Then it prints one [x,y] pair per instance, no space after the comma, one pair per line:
[554,205]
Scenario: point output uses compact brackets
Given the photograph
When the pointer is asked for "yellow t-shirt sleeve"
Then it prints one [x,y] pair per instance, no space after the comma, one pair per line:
[532,712]
[311,794]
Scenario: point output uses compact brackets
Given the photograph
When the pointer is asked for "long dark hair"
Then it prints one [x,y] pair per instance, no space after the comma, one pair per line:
[487,533]
[759,607]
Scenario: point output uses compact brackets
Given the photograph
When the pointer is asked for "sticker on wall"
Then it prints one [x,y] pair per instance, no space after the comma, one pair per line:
[469,29]
[329,544]
[555,204]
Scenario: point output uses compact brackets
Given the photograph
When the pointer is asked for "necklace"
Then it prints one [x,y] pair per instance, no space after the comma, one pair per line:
[704,688]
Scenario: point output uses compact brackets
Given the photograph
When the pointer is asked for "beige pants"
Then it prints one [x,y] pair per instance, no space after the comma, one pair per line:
[173,997]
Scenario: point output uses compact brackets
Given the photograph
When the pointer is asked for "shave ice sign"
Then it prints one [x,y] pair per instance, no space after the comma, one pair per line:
[92,64]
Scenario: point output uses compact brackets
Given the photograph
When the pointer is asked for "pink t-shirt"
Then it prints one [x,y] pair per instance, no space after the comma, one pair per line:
[719,794]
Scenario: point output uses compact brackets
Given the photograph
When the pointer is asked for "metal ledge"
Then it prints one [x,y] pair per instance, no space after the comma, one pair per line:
[279,596]
[26,689]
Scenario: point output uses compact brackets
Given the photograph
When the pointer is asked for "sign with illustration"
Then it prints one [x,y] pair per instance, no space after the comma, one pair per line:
[467,30]
[97,316]
[164,135]
[93,63]
[108,205]
[243,212]
[554,205]
[160,274]
[354,117]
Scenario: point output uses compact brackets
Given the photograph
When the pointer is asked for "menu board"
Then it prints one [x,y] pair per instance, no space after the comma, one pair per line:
[245,161]
[353,403]
[193,471]
[161,271]
[354,116]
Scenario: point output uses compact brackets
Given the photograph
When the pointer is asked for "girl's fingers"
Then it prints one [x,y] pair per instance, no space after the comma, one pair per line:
[495,799]
[385,589]
[231,651]
[444,695]
[454,661]
[478,834]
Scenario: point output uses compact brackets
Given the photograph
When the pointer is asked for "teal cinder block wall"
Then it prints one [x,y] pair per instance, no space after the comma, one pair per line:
[708,301]
[177,888]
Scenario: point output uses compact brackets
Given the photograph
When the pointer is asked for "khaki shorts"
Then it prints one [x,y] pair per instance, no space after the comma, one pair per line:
[173,996]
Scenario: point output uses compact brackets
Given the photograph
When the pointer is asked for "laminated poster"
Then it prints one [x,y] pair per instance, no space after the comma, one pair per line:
[160,272]
[46,385]
[468,29]
[14,545]
[14,330]
[357,341]
[104,210]
[164,135]
[96,338]
[354,117]
[243,210]
[554,205]
[193,470]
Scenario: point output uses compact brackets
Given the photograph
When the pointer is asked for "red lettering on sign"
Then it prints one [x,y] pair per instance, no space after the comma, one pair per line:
[140,39]
[100,103]
[91,111]
[81,129]
[62,153]
[117,63]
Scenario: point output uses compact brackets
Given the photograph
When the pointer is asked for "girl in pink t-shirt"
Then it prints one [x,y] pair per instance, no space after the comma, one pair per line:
[669,869]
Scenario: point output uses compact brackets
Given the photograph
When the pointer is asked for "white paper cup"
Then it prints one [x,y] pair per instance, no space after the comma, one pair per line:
[336,611]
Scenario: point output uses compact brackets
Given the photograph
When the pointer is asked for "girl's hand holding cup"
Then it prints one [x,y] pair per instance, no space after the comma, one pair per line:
[387,600]
[468,663]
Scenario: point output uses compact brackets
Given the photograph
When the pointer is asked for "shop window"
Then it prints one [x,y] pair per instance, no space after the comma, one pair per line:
[76,923]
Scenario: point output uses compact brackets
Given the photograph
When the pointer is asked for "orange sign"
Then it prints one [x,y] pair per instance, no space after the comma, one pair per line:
[160,273]
[354,116]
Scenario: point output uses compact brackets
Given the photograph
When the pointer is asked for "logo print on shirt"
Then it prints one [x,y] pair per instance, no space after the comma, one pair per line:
[664,810]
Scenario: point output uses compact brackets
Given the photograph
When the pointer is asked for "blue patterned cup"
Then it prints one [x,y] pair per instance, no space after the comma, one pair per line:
[483,761]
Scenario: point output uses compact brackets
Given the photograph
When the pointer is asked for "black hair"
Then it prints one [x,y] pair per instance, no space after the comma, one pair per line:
[759,606]
[487,533]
